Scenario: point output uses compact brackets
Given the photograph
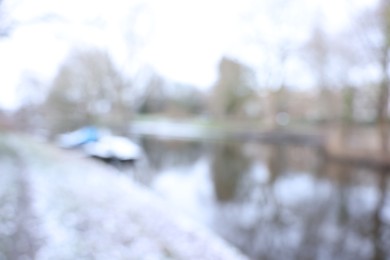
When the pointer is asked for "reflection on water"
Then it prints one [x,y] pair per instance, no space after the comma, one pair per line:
[228,165]
[163,154]
[275,202]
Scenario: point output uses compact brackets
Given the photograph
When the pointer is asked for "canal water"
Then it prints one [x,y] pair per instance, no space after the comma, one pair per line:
[273,202]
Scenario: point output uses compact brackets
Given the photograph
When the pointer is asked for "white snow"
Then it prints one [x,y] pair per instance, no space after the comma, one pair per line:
[86,210]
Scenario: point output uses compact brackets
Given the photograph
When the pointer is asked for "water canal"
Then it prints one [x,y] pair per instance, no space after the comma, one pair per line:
[273,202]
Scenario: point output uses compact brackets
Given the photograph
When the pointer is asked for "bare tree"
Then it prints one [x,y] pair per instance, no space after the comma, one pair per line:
[88,89]
[375,39]
[319,51]
[155,96]
[383,99]
[6,23]
[2,28]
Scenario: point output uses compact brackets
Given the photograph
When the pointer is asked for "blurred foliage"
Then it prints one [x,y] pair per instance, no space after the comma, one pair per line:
[155,98]
[88,90]
[5,24]
[232,91]
[174,99]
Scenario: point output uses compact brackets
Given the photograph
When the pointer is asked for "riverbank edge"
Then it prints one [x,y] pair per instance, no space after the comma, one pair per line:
[356,148]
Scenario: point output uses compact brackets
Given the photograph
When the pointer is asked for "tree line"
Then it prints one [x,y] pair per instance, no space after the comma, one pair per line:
[348,72]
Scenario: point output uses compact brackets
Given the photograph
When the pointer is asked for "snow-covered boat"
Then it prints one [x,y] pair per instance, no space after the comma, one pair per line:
[97,144]
[113,148]
[78,138]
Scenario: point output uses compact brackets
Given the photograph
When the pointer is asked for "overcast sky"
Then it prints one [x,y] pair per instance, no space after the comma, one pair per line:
[181,39]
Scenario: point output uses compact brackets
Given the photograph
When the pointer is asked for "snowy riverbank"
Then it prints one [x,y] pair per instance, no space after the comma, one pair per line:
[57,205]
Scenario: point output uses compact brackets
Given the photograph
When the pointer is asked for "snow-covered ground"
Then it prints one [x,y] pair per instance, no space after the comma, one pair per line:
[57,205]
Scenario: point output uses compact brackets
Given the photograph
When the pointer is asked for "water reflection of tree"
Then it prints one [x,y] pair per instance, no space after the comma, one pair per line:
[339,216]
[276,161]
[287,158]
[328,214]
[165,154]
[380,231]
[229,165]
[334,220]
[354,219]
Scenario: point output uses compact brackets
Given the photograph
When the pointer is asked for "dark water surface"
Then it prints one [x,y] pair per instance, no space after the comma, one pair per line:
[274,202]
